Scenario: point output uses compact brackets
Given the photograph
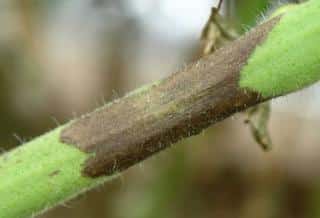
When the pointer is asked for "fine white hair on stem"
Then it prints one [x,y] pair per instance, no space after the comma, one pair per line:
[272,8]
[55,120]
[18,138]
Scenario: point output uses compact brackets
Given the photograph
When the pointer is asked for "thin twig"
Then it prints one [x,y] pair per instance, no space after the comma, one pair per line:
[219,5]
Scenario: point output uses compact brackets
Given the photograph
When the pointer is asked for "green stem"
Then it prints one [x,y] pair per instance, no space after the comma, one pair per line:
[290,57]
[39,174]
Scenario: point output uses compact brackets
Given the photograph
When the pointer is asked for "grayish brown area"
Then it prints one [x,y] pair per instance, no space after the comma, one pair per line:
[134,127]
[54,173]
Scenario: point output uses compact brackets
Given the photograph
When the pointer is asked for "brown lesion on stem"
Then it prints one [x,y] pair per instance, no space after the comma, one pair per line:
[216,34]
[133,128]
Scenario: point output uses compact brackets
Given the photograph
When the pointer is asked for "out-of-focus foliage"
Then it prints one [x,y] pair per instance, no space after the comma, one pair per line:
[248,11]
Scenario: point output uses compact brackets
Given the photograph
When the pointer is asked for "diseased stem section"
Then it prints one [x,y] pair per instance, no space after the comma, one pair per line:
[48,171]
[141,124]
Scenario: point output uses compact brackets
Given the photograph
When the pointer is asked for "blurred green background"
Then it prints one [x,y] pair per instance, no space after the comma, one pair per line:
[60,59]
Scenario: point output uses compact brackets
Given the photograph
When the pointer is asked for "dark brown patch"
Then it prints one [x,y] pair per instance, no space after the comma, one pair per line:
[54,173]
[135,127]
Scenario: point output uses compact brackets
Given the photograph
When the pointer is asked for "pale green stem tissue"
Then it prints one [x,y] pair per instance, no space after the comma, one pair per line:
[290,57]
